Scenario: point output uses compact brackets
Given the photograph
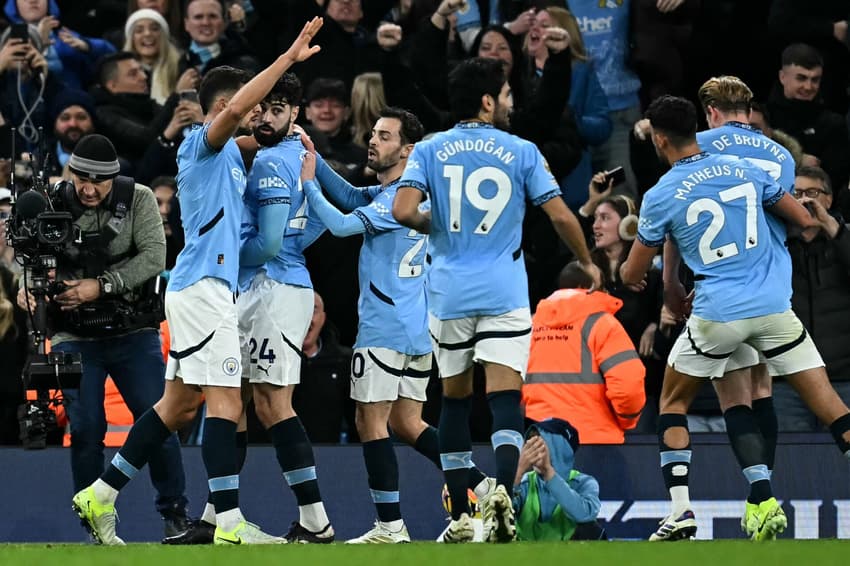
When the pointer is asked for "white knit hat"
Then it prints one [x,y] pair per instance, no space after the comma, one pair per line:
[145,14]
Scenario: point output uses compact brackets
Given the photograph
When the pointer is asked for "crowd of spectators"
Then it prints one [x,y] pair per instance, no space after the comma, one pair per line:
[581,72]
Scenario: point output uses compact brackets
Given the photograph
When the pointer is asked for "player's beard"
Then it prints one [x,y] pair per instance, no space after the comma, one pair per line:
[379,165]
[502,118]
[267,139]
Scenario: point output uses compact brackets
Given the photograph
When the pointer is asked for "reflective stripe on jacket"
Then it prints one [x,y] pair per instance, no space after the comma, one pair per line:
[583,368]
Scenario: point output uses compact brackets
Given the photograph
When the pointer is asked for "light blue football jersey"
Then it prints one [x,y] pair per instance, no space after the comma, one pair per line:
[746,142]
[478,179]
[392,307]
[210,185]
[275,178]
[713,207]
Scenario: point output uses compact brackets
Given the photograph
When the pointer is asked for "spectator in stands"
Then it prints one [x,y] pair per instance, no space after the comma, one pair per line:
[168,9]
[147,36]
[129,117]
[212,44]
[823,25]
[760,118]
[606,37]
[613,231]
[27,89]
[347,37]
[554,501]
[165,190]
[797,109]
[367,101]
[582,364]
[821,298]
[587,100]
[328,111]
[70,56]
[72,116]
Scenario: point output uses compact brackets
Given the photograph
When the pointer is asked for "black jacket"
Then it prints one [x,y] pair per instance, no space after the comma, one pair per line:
[821,299]
[131,121]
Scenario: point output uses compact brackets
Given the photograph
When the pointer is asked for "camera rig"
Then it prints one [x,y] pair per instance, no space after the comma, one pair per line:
[37,233]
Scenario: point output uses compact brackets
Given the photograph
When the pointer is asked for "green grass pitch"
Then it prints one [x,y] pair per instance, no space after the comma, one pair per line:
[720,553]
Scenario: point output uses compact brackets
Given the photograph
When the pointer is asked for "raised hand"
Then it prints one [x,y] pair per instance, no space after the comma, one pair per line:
[301,50]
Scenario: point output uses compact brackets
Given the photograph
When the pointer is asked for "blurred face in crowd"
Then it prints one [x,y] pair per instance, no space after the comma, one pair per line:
[385,146]
[5,211]
[495,46]
[275,122]
[327,115]
[164,195]
[813,189]
[757,120]
[346,13]
[160,6]
[799,83]
[316,322]
[606,222]
[130,78]
[503,109]
[91,193]
[204,21]
[32,11]
[146,39]
[535,40]
[72,124]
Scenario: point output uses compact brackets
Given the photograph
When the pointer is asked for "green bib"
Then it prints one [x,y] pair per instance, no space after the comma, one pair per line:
[530,527]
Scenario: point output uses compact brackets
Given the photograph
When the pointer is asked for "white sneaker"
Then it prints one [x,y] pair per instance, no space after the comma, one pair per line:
[245,533]
[380,534]
[490,484]
[499,521]
[459,530]
[676,527]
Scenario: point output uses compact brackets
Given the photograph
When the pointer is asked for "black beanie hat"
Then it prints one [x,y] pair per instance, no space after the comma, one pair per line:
[94,158]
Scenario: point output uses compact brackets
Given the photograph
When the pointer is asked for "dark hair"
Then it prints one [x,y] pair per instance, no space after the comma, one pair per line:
[324,87]
[760,107]
[411,130]
[164,180]
[816,173]
[803,55]
[675,117]
[218,81]
[471,80]
[220,3]
[107,67]
[574,277]
[287,88]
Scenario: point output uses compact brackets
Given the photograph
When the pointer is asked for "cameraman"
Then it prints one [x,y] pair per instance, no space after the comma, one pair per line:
[121,247]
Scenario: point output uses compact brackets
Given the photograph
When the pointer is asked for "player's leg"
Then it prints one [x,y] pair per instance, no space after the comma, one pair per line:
[452,341]
[674,443]
[764,411]
[276,369]
[96,503]
[502,345]
[790,352]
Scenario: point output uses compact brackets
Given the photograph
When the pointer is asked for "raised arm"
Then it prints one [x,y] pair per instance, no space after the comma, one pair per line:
[224,125]
[344,194]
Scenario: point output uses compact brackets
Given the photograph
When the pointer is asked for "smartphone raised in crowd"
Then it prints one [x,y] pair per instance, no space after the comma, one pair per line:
[617,175]
[190,95]
[20,31]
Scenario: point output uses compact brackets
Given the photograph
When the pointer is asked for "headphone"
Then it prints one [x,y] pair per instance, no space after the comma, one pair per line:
[628,227]
[66,194]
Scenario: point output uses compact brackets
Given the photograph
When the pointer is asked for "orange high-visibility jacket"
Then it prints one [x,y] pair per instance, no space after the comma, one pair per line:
[583,367]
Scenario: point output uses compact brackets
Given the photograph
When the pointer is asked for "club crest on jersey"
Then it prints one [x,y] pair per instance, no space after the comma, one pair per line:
[230,366]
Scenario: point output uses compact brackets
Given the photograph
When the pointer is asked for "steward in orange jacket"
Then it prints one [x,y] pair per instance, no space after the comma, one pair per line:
[583,367]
